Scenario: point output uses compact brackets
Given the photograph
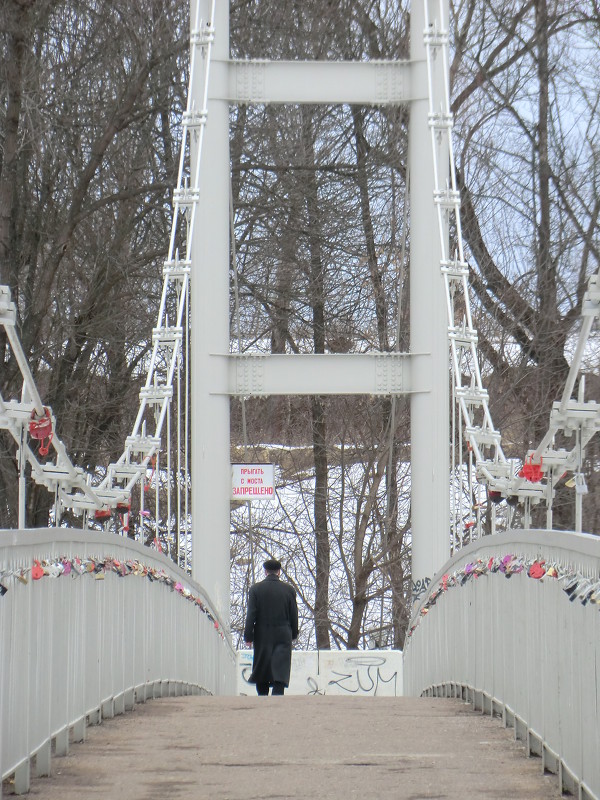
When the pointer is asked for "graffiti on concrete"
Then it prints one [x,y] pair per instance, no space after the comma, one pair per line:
[313,686]
[419,588]
[365,674]
[335,672]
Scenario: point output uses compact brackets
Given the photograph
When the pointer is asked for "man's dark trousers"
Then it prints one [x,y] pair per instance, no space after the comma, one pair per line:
[263,688]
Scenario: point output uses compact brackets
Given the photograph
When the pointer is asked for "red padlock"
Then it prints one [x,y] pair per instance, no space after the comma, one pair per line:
[40,428]
[531,472]
[36,571]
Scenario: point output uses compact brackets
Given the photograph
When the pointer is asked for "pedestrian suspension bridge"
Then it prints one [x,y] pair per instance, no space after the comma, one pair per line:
[92,623]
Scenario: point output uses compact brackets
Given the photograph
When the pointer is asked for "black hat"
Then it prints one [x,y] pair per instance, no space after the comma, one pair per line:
[272,565]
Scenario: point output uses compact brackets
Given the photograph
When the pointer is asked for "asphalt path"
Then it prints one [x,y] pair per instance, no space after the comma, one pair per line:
[250,748]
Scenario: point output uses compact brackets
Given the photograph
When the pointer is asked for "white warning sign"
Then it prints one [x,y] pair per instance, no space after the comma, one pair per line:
[252,482]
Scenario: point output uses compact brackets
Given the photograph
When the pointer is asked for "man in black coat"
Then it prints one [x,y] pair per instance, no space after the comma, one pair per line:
[271,625]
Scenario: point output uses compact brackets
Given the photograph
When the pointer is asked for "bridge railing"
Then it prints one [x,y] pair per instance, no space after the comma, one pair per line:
[512,624]
[91,623]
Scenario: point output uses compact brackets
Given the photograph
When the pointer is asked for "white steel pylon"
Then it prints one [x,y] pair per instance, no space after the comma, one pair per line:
[218,374]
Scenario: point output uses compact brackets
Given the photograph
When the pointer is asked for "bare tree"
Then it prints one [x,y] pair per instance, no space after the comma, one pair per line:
[318,272]
[89,92]
[525,101]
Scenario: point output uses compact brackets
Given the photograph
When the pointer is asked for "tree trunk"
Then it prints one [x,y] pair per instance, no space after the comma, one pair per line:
[362,150]
[323,555]
[549,339]
[319,426]
[359,604]
[15,56]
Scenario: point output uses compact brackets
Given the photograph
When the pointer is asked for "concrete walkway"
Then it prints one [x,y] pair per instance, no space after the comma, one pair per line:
[242,748]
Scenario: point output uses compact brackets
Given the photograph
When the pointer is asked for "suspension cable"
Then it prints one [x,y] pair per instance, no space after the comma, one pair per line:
[494,469]
[157,392]
[463,337]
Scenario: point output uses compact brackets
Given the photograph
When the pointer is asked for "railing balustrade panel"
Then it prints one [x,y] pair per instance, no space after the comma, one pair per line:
[478,642]
[91,634]
[139,637]
[590,675]
[498,639]
[551,671]
[51,642]
[534,644]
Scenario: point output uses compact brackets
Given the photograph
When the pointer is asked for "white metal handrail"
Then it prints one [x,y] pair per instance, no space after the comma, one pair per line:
[511,623]
[91,623]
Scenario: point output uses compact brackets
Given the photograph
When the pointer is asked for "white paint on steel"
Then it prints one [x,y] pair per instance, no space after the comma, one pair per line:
[259,375]
[484,440]
[15,417]
[210,334]
[430,495]
[454,269]
[210,437]
[353,82]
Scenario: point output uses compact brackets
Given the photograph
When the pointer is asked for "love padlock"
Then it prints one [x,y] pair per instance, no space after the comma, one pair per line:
[537,570]
[40,428]
[52,570]
[36,571]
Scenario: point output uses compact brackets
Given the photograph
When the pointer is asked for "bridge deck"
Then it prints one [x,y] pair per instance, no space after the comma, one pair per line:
[297,747]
